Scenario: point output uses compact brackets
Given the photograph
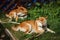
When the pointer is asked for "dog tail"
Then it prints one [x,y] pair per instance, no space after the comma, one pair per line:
[15,28]
[51,31]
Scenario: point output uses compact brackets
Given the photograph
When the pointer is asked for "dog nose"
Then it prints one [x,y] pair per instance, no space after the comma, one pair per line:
[48,26]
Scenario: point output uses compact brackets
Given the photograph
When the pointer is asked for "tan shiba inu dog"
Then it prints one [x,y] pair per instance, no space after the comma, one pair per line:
[33,26]
[20,12]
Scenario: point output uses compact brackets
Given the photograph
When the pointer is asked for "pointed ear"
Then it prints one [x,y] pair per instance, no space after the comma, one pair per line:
[17,6]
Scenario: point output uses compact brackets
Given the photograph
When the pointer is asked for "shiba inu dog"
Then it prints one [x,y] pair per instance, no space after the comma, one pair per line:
[33,26]
[20,12]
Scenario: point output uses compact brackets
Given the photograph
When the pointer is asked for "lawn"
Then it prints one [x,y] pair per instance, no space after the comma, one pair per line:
[52,11]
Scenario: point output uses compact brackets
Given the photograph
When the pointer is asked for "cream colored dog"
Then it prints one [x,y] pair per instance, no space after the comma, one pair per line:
[33,26]
[20,12]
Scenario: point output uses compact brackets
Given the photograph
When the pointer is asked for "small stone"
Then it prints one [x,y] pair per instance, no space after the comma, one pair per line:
[3,36]
[1,39]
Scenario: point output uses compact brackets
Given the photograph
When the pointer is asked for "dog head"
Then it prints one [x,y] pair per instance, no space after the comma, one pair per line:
[43,20]
[22,12]
[22,9]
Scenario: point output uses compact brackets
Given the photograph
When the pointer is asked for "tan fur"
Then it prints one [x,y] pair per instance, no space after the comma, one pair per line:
[14,13]
[43,20]
[34,26]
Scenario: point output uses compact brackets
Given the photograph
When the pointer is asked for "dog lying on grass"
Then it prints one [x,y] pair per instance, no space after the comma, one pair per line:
[33,26]
[20,12]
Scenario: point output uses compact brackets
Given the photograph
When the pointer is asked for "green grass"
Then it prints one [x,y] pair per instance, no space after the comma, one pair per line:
[52,11]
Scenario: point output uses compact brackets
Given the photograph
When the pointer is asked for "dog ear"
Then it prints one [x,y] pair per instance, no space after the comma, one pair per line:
[41,18]
[19,6]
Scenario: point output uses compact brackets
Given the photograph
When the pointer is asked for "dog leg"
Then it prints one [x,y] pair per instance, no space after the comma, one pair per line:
[49,30]
[16,18]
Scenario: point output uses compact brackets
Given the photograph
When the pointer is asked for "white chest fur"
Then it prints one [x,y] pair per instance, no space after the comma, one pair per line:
[39,24]
[20,13]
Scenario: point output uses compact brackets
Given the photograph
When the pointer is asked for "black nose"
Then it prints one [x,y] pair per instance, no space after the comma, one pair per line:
[45,26]
[48,26]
